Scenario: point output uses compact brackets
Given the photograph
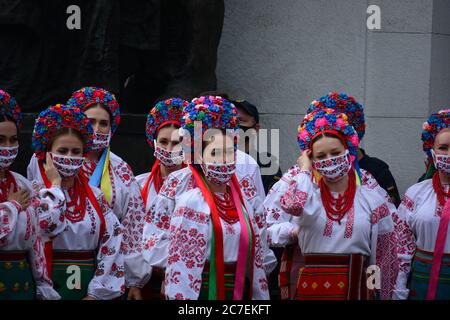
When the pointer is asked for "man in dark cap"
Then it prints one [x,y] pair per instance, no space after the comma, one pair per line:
[249,120]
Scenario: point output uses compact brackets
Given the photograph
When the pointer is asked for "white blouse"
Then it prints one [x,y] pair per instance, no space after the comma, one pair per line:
[19,230]
[418,217]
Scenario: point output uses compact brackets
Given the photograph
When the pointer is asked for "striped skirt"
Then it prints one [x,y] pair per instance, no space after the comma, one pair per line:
[420,276]
[230,272]
[332,277]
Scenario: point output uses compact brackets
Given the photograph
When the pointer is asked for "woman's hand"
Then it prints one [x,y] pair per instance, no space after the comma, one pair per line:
[134,294]
[21,196]
[89,298]
[51,172]
[304,161]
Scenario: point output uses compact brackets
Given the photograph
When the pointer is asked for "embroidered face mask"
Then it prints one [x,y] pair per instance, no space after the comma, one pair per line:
[169,159]
[334,169]
[7,156]
[219,173]
[101,141]
[67,167]
[441,162]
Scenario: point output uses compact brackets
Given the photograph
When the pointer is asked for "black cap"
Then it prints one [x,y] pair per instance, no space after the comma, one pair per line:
[248,108]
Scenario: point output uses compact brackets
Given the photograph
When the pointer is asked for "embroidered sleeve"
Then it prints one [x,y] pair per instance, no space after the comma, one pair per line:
[406,245]
[9,212]
[50,205]
[280,228]
[187,253]
[300,189]
[386,249]
[44,285]
[133,224]
[109,279]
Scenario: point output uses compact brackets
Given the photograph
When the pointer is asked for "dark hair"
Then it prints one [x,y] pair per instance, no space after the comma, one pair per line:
[63,131]
[5,117]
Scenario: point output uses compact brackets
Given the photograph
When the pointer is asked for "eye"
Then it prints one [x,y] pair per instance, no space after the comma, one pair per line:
[62,151]
[104,124]
[14,139]
[76,151]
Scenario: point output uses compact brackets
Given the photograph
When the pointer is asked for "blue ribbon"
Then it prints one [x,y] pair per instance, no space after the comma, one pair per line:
[96,177]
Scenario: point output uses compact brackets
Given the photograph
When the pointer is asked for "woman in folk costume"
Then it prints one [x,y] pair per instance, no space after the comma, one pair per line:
[424,244]
[162,126]
[209,240]
[23,270]
[110,173]
[83,243]
[281,228]
[342,227]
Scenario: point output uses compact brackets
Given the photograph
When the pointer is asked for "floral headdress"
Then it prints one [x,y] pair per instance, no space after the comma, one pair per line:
[87,96]
[431,128]
[164,112]
[53,119]
[343,103]
[10,108]
[323,120]
[213,112]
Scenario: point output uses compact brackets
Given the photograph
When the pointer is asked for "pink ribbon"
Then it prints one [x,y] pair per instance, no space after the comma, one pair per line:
[438,251]
[244,243]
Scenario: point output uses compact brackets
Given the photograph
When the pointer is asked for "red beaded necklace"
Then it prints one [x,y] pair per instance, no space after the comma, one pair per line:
[225,207]
[337,208]
[77,201]
[442,196]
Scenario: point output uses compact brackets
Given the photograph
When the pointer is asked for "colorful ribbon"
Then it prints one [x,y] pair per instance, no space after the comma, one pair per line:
[100,177]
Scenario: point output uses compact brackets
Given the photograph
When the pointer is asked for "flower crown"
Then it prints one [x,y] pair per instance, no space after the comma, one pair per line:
[343,103]
[431,128]
[10,108]
[321,120]
[166,111]
[88,96]
[53,119]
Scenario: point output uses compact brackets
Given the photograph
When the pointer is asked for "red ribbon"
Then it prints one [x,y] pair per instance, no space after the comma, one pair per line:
[48,246]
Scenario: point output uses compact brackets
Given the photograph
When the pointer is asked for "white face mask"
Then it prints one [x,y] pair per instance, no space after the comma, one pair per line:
[441,162]
[7,156]
[101,141]
[67,167]
[169,159]
[219,173]
[334,169]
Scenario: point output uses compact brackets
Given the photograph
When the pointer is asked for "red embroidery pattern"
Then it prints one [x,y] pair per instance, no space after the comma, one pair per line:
[293,201]
[248,187]
[349,224]
[196,216]
[368,180]
[408,203]
[405,240]
[379,213]
[328,231]
[123,171]
[275,213]
[388,263]
[169,187]
[194,284]
[189,246]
